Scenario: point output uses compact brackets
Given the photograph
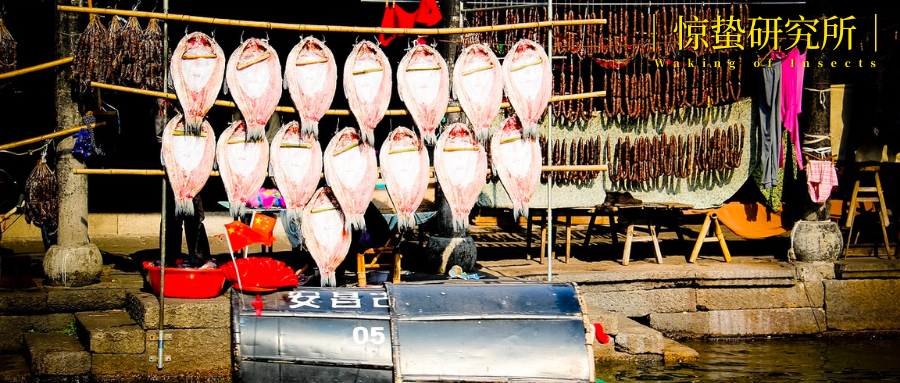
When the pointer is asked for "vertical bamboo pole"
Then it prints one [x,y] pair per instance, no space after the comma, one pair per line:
[162,234]
[549,142]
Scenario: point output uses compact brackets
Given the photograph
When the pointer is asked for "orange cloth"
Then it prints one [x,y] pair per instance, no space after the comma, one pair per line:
[751,219]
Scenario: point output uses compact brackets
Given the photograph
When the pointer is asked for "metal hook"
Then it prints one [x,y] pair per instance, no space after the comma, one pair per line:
[242,36]
[136,5]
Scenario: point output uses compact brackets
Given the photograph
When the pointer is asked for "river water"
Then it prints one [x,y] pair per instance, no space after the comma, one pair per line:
[783,360]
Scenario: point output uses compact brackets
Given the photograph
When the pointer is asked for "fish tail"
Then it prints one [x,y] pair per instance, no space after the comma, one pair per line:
[184,207]
[429,138]
[482,134]
[255,134]
[519,210]
[368,136]
[328,279]
[311,127]
[236,210]
[460,223]
[355,222]
[530,131]
[406,222]
[193,125]
[291,223]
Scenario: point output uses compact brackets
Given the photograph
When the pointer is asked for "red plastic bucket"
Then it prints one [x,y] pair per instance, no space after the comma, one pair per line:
[187,283]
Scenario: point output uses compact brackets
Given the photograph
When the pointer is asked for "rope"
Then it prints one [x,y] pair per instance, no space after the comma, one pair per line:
[821,94]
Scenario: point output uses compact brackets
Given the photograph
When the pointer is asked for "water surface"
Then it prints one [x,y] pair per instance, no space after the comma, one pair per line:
[783,360]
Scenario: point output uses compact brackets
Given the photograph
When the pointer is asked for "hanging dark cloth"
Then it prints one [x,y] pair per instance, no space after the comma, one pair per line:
[770,100]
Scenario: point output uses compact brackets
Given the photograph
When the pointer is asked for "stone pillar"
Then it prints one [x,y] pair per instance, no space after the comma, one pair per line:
[449,248]
[74,261]
[815,237]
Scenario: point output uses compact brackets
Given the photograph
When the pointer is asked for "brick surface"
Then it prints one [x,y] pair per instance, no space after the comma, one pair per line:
[56,354]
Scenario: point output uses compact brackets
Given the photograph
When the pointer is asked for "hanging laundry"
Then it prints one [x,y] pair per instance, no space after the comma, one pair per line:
[428,13]
[821,177]
[770,123]
[395,17]
[792,95]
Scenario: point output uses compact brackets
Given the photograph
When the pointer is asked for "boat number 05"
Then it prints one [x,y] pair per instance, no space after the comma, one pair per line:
[363,335]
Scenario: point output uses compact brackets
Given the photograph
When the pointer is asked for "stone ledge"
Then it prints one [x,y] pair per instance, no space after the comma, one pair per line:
[758,298]
[862,304]
[867,269]
[635,338]
[13,328]
[110,332]
[180,313]
[194,355]
[14,369]
[674,352]
[736,323]
[640,303]
[57,355]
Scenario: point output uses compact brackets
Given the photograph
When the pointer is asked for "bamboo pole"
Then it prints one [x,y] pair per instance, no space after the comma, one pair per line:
[330,112]
[32,140]
[155,172]
[327,28]
[36,68]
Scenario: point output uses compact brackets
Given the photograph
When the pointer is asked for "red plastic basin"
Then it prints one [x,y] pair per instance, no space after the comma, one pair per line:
[187,283]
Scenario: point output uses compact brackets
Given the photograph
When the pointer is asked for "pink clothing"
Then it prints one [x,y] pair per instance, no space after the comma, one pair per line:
[792,96]
[820,178]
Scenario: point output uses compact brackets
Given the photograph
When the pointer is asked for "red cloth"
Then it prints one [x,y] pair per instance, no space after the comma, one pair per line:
[395,17]
[428,13]
[821,177]
[241,236]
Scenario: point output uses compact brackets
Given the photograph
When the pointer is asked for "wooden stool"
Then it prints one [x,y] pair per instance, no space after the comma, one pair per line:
[871,194]
[542,217]
[629,238]
[705,236]
[361,264]
[544,236]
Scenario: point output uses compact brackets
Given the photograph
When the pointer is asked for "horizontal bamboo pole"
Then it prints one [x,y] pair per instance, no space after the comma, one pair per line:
[330,112]
[153,172]
[327,28]
[36,68]
[32,140]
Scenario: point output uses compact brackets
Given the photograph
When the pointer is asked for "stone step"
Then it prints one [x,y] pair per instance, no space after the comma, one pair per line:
[635,338]
[14,327]
[674,352]
[180,313]
[57,357]
[188,355]
[110,332]
[14,369]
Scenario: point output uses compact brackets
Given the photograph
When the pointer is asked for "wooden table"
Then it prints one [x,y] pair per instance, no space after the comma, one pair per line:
[652,214]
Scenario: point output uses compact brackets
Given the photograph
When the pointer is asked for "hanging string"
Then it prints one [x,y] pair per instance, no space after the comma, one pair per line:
[821,95]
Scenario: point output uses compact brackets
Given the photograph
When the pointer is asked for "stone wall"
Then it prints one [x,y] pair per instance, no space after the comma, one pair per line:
[769,299]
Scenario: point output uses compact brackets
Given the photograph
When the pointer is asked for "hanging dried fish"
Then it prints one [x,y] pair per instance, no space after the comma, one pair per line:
[87,64]
[7,50]
[111,49]
[129,45]
[42,197]
[150,59]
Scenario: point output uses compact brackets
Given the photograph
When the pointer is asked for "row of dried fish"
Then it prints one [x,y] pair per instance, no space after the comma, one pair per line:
[679,156]
[423,82]
[122,54]
[583,151]
[7,49]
